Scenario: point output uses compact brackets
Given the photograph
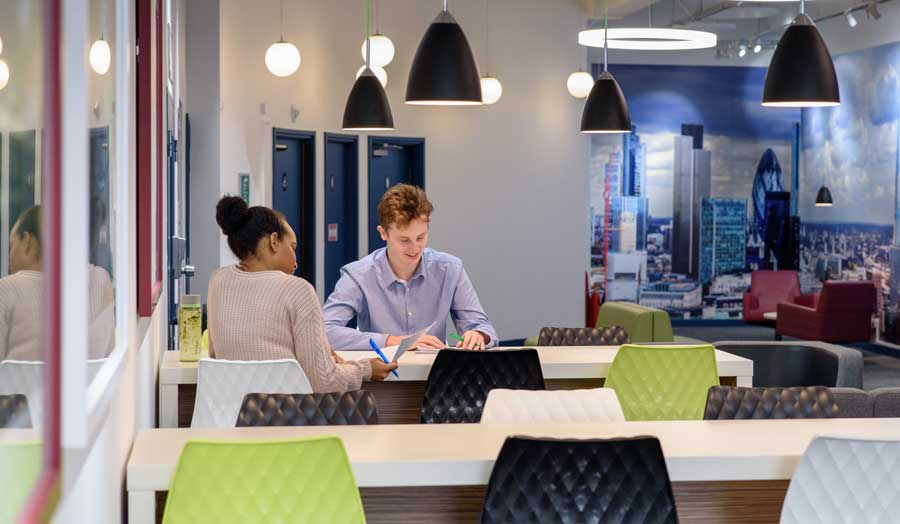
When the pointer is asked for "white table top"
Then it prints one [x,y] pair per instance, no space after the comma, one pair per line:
[463,454]
[559,362]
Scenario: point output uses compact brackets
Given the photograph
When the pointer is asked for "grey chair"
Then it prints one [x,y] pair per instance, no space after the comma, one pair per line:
[845,481]
[602,336]
[730,403]
[885,402]
[800,363]
[853,403]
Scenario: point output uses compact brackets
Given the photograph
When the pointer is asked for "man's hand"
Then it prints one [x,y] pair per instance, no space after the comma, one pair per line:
[472,340]
[425,342]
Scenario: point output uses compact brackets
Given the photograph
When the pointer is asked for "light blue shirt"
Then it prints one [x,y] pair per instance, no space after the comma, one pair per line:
[385,305]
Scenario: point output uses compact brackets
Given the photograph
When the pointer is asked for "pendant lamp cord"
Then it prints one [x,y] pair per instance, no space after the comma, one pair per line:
[802,7]
[605,32]
[445,6]
[282,21]
[368,39]
[487,47]
[650,14]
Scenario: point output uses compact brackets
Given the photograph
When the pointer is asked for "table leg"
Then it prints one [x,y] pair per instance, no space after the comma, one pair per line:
[141,507]
[168,405]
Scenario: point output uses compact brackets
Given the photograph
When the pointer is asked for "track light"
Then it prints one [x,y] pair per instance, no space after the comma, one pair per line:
[743,51]
[851,20]
[872,10]
[757,48]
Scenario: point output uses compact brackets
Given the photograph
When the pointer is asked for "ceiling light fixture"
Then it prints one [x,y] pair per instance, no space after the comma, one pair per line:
[444,71]
[742,51]
[100,56]
[823,197]
[491,88]
[282,58]
[801,73]
[579,84]
[4,74]
[368,108]
[380,73]
[605,110]
[872,10]
[647,38]
[382,46]
[757,48]
[851,20]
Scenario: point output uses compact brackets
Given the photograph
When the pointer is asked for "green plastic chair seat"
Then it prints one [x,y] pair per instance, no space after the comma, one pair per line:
[20,466]
[271,482]
[663,382]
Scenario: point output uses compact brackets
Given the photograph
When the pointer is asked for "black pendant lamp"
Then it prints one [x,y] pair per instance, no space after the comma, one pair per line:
[801,73]
[444,72]
[368,108]
[823,198]
[605,110]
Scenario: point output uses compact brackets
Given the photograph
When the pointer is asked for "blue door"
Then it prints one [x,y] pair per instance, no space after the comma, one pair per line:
[392,160]
[293,192]
[341,204]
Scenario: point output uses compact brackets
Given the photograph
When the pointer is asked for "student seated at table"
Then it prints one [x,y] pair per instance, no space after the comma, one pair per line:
[402,288]
[258,310]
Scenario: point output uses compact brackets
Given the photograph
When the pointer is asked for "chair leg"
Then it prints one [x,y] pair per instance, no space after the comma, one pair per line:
[778,336]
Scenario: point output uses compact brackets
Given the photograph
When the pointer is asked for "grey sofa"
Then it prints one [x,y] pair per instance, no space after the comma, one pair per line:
[729,403]
[799,363]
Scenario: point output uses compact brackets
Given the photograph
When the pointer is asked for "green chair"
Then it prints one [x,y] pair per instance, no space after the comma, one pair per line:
[20,466]
[643,324]
[663,382]
[273,482]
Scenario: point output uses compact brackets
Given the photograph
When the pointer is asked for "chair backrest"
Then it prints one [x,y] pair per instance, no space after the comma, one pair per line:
[849,299]
[510,406]
[772,287]
[853,403]
[20,466]
[26,377]
[663,382]
[311,409]
[787,365]
[222,385]
[603,336]
[730,403]
[845,481]
[885,402]
[547,480]
[14,412]
[460,380]
[231,482]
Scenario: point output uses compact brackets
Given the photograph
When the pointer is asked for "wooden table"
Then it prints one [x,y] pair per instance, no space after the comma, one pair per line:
[399,399]
[723,471]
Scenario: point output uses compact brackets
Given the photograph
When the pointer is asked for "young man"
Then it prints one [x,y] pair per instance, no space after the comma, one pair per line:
[402,288]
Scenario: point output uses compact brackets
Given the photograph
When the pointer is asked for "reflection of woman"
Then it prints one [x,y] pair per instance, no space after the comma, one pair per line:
[21,292]
[259,311]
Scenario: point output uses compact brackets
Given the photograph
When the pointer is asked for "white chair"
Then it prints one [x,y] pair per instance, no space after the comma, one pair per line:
[26,377]
[845,481]
[514,406]
[222,385]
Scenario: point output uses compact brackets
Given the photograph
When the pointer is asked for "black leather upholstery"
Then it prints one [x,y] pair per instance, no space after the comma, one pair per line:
[728,403]
[460,380]
[14,413]
[614,481]
[788,365]
[601,336]
[317,409]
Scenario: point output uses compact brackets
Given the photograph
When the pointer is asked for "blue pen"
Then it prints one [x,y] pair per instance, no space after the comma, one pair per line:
[381,354]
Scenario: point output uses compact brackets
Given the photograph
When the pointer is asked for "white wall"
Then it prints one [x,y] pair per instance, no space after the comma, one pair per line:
[508,181]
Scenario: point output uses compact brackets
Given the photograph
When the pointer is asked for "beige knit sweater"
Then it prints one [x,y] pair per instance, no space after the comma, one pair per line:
[268,315]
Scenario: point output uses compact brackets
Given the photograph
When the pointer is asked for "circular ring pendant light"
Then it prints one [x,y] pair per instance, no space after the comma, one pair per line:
[443,71]
[648,38]
[368,108]
[605,110]
[801,73]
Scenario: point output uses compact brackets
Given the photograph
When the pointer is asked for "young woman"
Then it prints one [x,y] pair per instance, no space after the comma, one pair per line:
[257,309]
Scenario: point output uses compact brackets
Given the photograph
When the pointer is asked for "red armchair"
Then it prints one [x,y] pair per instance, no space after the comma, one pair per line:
[842,313]
[767,289]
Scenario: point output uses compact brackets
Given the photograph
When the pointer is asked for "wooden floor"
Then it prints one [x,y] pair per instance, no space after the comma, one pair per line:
[745,502]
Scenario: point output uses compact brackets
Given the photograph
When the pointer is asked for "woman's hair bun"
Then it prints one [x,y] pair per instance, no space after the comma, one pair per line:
[232,212]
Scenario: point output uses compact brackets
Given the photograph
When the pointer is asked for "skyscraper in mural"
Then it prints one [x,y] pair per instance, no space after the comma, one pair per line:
[723,237]
[628,208]
[692,181]
[627,224]
[634,170]
[767,180]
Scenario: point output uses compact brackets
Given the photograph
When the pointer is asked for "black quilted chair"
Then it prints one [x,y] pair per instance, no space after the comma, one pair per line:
[313,409]
[729,403]
[460,380]
[617,481]
[600,336]
[14,413]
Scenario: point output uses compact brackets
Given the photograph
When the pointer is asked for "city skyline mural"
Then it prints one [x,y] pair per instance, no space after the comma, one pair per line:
[695,192]
[854,149]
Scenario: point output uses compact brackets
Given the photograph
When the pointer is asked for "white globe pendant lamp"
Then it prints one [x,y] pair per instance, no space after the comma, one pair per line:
[100,56]
[282,58]
[491,88]
[4,74]
[382,50]
[380,74]
[580,84]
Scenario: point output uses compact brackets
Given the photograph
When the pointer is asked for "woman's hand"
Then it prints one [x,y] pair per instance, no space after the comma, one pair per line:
[472,340]
[337,358]
[380,370]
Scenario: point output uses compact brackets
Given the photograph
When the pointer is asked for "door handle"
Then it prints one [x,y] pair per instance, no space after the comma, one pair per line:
[331,183]
[284,182]
[188,270]
[387,182]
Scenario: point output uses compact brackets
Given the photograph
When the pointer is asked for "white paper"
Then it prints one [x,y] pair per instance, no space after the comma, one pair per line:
[410,341]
